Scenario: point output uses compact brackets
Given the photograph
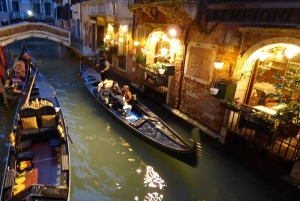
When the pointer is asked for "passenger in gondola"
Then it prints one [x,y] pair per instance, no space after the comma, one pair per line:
[115,88]
[106,94]
[127,96]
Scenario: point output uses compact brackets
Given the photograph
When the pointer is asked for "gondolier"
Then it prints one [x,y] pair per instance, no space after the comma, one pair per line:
[28,62]
[104,66]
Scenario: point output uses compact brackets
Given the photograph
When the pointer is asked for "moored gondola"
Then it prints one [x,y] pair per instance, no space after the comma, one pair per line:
[144,122]
[15,79]
[38,160]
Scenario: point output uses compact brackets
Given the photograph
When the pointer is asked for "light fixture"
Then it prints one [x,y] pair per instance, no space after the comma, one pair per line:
[121,40]
[30,13]
[218,64]
[172,32]
[136,43]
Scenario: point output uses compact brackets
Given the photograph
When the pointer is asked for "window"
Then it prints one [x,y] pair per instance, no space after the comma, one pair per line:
[37,8]
[122,62]
[15,6]
[3,7]
[200,62]
[48,9]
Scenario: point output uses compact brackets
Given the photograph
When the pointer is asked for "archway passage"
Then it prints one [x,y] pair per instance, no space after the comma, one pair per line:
[268,69]
[10,34]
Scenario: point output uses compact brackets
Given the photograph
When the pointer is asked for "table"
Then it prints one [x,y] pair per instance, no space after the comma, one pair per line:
[265,87]
[265,109]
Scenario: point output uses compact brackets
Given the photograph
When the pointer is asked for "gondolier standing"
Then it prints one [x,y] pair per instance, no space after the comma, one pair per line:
[28,62]
[104,66]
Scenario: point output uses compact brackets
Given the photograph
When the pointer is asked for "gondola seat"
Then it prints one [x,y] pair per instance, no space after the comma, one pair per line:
[38,124]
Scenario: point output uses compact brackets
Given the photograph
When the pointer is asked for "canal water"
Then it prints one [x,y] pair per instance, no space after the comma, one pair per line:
[110,163]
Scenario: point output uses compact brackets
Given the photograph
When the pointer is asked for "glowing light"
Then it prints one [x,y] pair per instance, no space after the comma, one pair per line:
[290,52]
[124,28]
[172,32]
[154,39]
[107,37]
[263,56]
[30,13]
[110,28]
[136,43]
[121,40]
[218,64]
[164,51]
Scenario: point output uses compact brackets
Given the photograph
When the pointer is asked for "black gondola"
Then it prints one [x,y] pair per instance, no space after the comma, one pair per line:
[145,123]
[38,159]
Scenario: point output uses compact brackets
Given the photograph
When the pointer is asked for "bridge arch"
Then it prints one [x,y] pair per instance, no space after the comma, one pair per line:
[20,31]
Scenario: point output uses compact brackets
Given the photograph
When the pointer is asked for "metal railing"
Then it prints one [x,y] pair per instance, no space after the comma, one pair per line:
[155,81]
[242,122]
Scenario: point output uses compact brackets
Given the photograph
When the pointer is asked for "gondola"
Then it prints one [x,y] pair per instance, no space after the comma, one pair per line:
[145,123]
[38,158]
[15,80]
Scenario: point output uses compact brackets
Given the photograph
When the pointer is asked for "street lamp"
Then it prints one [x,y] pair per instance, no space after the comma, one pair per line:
[135,44]
[218,65]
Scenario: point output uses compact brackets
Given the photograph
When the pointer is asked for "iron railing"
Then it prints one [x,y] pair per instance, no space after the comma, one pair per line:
[242,122]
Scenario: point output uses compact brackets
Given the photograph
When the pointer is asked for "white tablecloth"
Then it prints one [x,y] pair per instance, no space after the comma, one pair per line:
[265,87]
[265,109]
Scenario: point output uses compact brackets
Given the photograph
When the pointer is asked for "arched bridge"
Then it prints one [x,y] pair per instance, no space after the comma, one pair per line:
[15,32]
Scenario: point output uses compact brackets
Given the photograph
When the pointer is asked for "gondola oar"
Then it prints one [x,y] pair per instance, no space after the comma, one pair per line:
[81,74]
[29,92]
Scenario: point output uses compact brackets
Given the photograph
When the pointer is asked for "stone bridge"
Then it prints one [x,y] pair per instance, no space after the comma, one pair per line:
[20,31]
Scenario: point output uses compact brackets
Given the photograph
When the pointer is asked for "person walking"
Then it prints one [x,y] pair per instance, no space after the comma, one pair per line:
[104,66]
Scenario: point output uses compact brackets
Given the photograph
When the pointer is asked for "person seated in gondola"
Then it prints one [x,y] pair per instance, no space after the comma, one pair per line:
[106,94]
[115,88]
[117,100]
[127,96]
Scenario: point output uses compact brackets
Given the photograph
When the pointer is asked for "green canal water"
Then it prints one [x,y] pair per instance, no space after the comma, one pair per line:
[110,163]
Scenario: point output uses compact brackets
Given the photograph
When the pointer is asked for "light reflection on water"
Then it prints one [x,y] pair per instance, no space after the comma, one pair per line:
[110,163]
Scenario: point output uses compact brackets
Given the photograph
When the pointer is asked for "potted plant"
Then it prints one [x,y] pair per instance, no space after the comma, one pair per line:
[230,104]
[158,68]
[287,119]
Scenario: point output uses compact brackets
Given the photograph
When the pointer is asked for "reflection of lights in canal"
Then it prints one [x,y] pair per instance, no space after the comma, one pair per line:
[152,180]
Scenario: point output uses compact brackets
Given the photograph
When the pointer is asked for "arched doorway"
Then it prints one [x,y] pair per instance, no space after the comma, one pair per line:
[266,66]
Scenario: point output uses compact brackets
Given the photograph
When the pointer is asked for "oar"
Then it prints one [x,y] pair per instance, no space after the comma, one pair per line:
[29,92]
[81,74]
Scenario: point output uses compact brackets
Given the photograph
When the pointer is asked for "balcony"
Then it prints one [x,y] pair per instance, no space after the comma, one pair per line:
[241,121]
[17,15]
